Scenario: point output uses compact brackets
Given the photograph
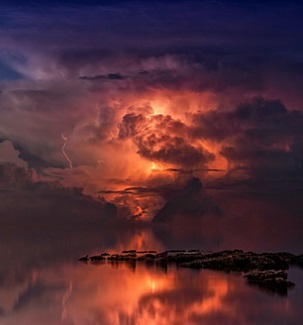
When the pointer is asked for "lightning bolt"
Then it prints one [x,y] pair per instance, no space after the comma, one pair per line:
[100,163]
[64,300]
[65,139]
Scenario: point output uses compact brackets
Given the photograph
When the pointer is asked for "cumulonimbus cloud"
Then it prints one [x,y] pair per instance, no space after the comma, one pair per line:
[164,139]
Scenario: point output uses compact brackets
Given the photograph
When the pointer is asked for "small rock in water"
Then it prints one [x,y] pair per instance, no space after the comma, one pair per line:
[83,259]
[97,258]
[271,280]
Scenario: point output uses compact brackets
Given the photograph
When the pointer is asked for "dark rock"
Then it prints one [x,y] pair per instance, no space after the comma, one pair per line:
[146,257]
[270,280]
[114,257]
[84,259]
[185,258]
[162,255]
[297,260]
[238,261]
[267,270]
[123,257]
[97,258]
[176,251]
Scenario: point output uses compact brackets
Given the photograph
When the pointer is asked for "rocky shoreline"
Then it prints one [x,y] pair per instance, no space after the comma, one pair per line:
[266,270]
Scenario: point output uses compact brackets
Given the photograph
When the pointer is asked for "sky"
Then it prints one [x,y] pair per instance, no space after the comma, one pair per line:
[162,112]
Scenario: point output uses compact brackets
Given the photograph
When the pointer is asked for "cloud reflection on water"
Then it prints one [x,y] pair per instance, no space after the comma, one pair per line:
[110,295]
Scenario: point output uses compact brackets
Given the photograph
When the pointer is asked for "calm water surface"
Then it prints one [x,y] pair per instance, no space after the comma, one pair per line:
[79,293]
[41,281]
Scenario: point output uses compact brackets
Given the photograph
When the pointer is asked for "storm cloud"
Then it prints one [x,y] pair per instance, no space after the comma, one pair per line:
[162,138]
[140,98]
[261,135]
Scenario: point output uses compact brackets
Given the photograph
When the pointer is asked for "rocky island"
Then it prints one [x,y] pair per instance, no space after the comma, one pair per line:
[267,271]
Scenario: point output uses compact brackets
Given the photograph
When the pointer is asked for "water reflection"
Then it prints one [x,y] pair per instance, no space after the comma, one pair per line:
[41,283]
[118,294]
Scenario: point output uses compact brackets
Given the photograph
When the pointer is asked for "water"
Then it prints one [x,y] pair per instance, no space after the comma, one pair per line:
[41,281]
[78,293]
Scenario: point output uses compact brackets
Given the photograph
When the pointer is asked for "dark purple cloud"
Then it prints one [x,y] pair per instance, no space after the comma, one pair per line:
[11,176]
[189,203]
[261,135]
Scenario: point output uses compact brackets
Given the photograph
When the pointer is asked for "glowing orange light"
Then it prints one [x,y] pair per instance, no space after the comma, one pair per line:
[153,285]
[219,290]
[158,109]
[153,166]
